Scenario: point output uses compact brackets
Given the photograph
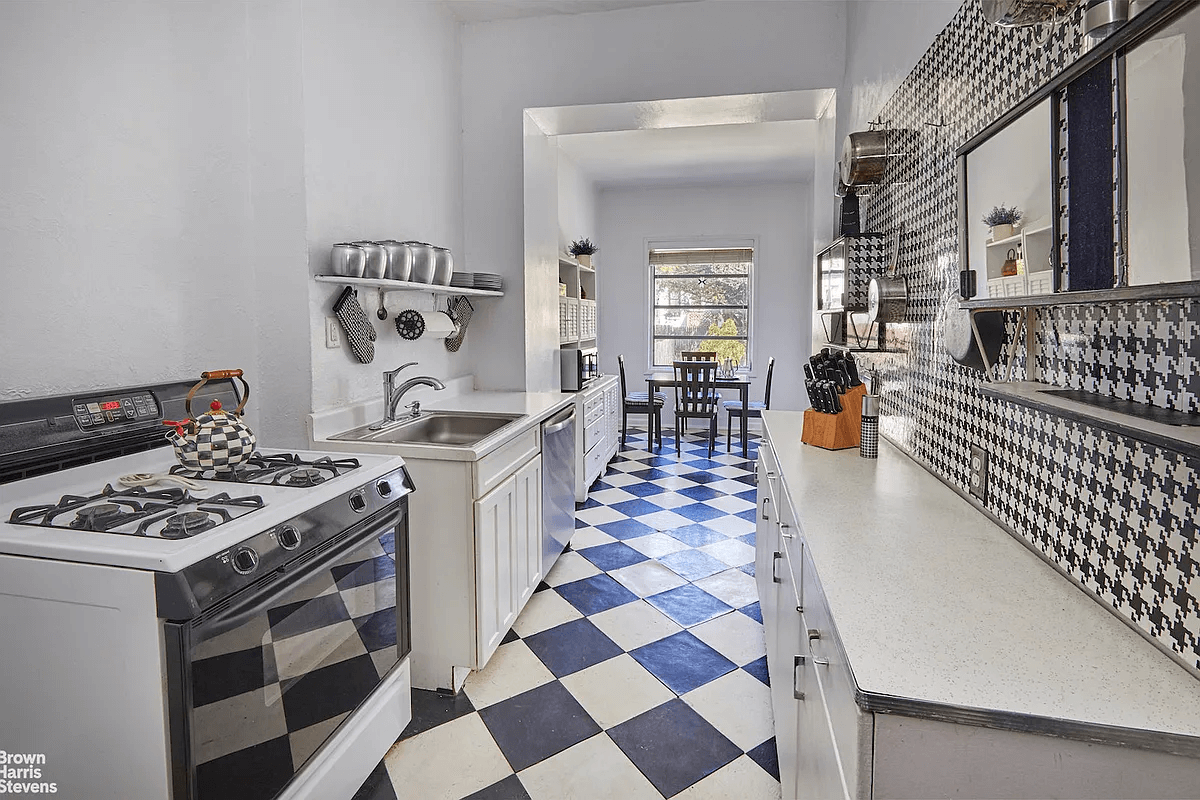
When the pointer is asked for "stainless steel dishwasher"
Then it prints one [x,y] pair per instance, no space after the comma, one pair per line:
[558,485]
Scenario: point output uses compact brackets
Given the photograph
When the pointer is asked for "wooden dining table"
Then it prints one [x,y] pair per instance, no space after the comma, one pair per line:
[740,382]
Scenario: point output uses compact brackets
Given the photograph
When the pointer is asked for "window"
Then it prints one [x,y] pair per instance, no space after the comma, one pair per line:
[700,301]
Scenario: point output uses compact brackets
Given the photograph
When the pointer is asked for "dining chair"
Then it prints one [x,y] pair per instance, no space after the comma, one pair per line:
[698,355]
[734,407]
[640,403]
[695,398]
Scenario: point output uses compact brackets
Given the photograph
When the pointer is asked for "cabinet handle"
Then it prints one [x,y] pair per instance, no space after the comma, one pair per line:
[783,526]
[814,635]
[797,662]
[775,560]
[764,509]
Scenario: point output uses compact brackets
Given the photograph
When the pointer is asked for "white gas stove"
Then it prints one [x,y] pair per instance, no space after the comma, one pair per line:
[234,635]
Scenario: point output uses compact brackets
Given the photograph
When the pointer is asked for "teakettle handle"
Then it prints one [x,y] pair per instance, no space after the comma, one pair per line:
[217,375]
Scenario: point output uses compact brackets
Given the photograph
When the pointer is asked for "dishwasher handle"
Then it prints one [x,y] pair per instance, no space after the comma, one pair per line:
[560,422]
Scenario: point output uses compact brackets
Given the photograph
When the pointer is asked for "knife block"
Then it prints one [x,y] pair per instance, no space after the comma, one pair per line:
[836,431]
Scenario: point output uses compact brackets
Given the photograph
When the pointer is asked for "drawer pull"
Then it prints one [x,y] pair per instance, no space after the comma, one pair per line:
[797,692]
[824,662]
[775,560]
[764,510]
[783,526]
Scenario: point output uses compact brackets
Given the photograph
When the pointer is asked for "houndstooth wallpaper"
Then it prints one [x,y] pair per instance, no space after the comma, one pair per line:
[1117,514]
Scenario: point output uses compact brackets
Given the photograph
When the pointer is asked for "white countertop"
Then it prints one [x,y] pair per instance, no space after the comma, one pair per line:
[535,407]
[935,602]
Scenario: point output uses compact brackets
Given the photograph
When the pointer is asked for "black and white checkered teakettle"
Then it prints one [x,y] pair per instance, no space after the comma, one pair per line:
[218,440]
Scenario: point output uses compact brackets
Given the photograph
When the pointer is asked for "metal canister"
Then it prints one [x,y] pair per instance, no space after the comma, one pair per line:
[868,440]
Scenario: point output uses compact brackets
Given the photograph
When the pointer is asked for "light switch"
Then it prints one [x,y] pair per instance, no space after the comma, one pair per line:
[333,333]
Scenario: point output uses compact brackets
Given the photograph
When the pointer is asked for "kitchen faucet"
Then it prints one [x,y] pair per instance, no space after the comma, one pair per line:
[392,393]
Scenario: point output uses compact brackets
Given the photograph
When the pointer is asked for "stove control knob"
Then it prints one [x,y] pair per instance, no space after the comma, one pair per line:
[358,502]
[244,560]
[289,537]
[384,488]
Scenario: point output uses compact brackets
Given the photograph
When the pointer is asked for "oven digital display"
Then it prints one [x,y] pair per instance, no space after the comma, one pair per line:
[110,405]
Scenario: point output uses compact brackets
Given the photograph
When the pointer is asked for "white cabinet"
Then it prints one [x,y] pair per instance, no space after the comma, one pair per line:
[576,303]
[1030,249]
[507,553]
[597,431]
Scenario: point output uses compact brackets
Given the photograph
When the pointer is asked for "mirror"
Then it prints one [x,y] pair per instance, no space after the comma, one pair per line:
[1162,160]
[1012,168]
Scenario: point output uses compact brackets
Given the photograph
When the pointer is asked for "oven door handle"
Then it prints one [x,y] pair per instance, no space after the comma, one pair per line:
[239,613]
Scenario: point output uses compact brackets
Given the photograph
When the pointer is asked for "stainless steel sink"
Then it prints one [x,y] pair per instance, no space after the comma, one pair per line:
[454,428]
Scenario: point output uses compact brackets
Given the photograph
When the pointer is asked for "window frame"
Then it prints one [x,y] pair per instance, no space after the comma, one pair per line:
[704,243]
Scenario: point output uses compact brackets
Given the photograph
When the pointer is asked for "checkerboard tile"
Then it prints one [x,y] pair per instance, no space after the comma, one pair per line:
[637,670]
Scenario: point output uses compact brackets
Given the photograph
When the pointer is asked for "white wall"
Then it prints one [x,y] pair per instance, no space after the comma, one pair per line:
[383,160]
[576,204]
[635,54]
[777,214]
[124,194]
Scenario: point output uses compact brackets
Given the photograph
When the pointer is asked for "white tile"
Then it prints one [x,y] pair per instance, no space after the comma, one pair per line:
[629,465]
[545,610]
[616,690]
[729,504]
[664,520]
[620,479]
[738,705]
[674,483]
[731,526]
[730,487]
[728,471]
[570,567]
[733,552]
[656,544]
[599,515]
[669,500]
[512,669]
[732,586]
[741,778]
[647,578]
[611,497]
[634,624]
[595,768]
[735,636]
[589,537]
[451,760]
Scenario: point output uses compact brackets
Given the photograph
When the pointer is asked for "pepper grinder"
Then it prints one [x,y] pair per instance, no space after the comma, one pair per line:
[868,440]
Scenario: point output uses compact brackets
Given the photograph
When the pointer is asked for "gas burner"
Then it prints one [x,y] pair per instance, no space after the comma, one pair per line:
[189,523]
[305,476]
[280,469]
[94,518]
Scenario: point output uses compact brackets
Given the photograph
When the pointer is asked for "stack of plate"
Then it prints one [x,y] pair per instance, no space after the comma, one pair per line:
[477,280]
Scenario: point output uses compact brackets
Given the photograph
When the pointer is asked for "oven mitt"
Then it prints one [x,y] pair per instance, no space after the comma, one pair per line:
[355,324]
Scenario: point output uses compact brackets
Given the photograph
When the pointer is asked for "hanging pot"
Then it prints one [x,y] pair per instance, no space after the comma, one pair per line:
[1022,13]
[959,340]
[887,296]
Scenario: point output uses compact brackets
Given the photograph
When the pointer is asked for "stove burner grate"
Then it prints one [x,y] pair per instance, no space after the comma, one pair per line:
[305,476]
[189,523]
[277,470]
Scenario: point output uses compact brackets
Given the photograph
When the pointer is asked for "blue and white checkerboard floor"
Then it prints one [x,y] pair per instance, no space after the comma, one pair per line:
[638,669]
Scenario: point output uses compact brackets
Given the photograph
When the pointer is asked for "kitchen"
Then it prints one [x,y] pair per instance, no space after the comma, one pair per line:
[230,142]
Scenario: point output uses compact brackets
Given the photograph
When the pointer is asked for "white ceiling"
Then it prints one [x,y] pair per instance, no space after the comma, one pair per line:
[488,10]
[708,154]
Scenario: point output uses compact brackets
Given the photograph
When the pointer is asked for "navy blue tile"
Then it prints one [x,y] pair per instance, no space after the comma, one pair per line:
[536,724]
[430,709]
[747,538]
[589,503]
[753,611]
[595,594]
[649,474]
[696,535]
[512,636]
[748,569]
[652,742]
[636,508]
[750,495]
[377,786]
[692,564]
[658,461]
[750,514]
[644,489]
[759,670]
[508,789]
[700,512]
[750,479]
[704,463]
[599,484]
[766,757]
[625,529]
[613,555]
[572,646]
[682,662]
[580,524]
[700,493]
[688,605]
[701,477]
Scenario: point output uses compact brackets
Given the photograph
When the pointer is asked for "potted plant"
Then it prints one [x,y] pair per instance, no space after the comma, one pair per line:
[1002,221]
[582,250]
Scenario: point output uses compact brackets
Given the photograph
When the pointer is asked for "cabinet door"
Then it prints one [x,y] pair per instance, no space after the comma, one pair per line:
[508,552]
[767,570]
[612,412]
[787,685]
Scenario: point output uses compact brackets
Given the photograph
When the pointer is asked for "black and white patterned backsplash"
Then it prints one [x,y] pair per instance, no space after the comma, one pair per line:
[1118,515]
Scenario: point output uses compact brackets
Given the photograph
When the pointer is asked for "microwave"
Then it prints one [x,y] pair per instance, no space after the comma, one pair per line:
[580,366]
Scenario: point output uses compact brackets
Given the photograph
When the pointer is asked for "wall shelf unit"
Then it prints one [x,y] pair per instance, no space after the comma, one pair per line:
[405,286]
[1158,291]
[1031,246]
[576,304]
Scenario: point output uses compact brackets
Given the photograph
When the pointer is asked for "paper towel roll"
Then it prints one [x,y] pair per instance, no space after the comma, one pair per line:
[438,324]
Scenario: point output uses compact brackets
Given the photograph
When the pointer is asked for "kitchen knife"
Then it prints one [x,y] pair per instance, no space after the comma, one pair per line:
[808,373]
[833,398]
[844,372]
[810,387]
[855,380]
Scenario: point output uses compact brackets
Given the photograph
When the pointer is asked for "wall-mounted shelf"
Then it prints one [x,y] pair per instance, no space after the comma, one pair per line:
[1158,291]
[577,317]
[1181,439]
[405,286]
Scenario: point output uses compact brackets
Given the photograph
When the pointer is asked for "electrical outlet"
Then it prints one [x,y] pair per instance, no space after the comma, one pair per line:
[977,475]
[333,333]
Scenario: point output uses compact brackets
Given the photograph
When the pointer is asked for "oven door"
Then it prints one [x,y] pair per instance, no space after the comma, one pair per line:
[257,683]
